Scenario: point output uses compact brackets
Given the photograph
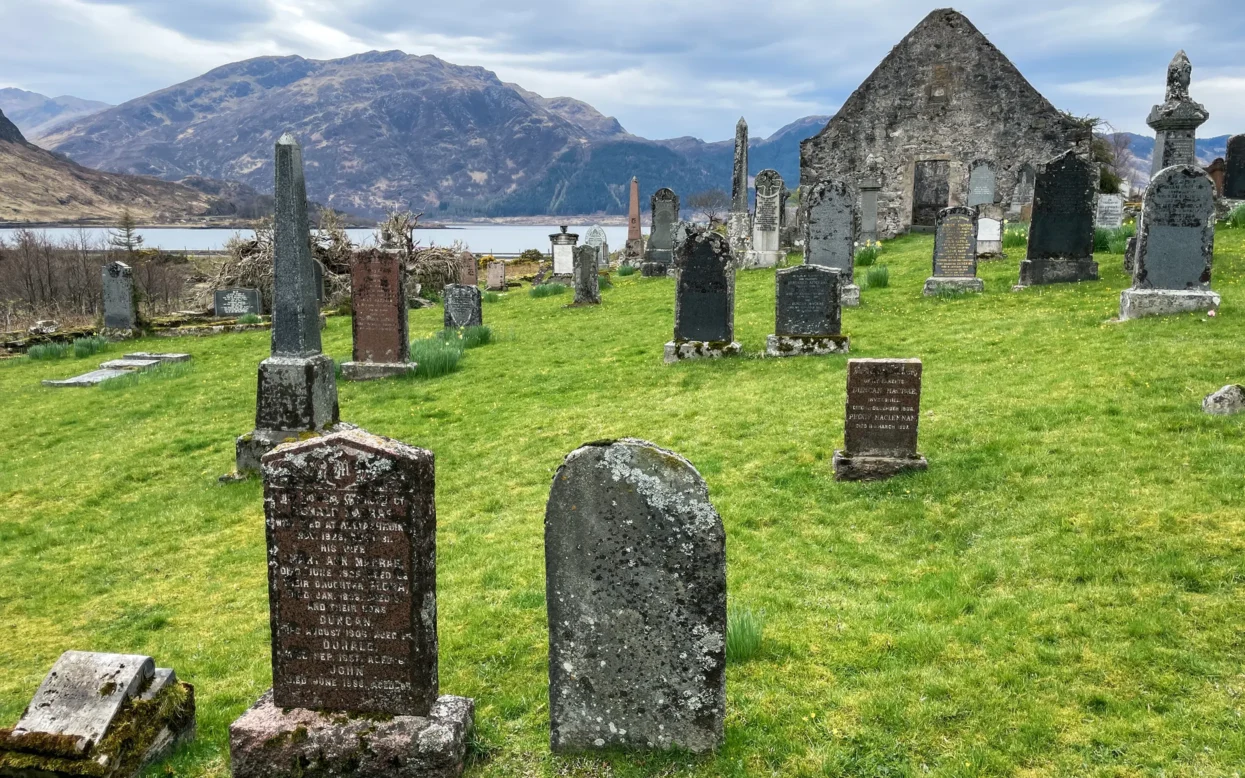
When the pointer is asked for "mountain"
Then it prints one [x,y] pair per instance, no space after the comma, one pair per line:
[35,114]
[387,129]
[1141,152]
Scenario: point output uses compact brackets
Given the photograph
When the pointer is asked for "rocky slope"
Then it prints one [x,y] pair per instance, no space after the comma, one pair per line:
[34,114]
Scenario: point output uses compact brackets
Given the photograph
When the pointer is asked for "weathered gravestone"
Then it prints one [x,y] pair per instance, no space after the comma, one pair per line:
[1022,196]
[633,251]
[955,253]
[1175,247]
[659,256]
[1175,122]
[382,346]
[766,248]
[1110,212]
[982,184]
[120,310]
[989,238]
[869,191]
[704,301]
[599,240]
[1061,237]
[232,303]
[883,411]
[99,716]
[1234,169]
[463,306]
[739,228]
[808,313]
[587,282]
[635,576]
[830,233]
[496,278]
[297,388]
[564,252]
[351,529]
[468,269]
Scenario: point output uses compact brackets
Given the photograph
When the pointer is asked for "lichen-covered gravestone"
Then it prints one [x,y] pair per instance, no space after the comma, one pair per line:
[882,415]
[830,232]
[352,560]
[99,716]
[231,303]
[1175,246]
[587,282]
[120,310]
[635,576]
[1061,237]
[468,269]
[808,313]
[739,227]
[463,306]
[659,254]
[704,301]
[955,253]
[378,319]
[766,248]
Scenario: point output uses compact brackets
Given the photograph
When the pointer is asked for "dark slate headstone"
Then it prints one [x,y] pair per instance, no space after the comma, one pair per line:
[808,302]
[830,228]
[883,407]
[665,205]
[635,576]
[955,245]
[230,303]
[1234,172]
[120,311]
[982,183]
[295,310]
[1061,236]
[587,282]
[1177,239]
[378,302]
[462,306]
[351,529]
[704,303]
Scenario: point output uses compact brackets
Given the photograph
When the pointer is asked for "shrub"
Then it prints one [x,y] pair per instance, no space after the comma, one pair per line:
[1236,219]
[48,351]
[867,255]
[1016,237]
[491,297]
[547,290]
[745,630]
[879,277]
[432,295]
[532,255]
[1127,230]
[93,344]
[436,356]
[251,318]
[627,270]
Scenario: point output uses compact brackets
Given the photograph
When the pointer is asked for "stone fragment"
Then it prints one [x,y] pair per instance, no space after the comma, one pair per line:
[463,306]
[1061,237]
[704,303]
[1227,401]
[881,420]
[635,560]
[120,309]
[587,280]
[808,313]
[232,303]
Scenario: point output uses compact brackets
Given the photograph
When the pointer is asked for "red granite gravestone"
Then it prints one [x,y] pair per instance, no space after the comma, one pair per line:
[883,410]
[379,324]
[468,269]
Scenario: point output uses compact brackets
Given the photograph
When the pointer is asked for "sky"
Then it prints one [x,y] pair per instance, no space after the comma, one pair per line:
[663,68]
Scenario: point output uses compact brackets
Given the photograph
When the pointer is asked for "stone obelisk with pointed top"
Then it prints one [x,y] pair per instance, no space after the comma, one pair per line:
[739,229]
[633,252]
[1175,122]
[297,391]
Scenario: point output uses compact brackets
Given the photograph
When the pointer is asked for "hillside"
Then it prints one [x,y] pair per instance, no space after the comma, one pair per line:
[35,114]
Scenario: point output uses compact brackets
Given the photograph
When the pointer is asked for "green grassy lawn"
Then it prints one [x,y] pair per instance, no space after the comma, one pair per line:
[1061,594]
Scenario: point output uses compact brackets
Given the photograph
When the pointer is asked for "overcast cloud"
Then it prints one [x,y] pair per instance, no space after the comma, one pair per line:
[664,69]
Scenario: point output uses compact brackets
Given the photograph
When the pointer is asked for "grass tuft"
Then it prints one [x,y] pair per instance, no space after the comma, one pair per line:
[867,255]
[627,270]
[547,290]
[467,337]
[1016,237]
[491,297]
[1236,219]
[49,351]
[90,345]
[745,631]
[249,318]
[879,277]
[436,356]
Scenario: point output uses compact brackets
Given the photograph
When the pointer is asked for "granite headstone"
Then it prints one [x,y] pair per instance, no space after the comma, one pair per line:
[766,248]
[1110,212]
[587,280]
[660,251]
[704,302]
[1061,237]
[982,183]
[231,303]
[463,306]
[563,245]
[599,240]
[120,309]
[496,277]
[808,313]
[881,419]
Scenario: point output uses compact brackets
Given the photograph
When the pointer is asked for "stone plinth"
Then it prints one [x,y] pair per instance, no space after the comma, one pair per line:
[1139,303]
[936,285]
[296,393]
[806,345]
[250,448]
[373,371]
[679,351]
[269,742]
[762,259]
[849,467]
[1037,272]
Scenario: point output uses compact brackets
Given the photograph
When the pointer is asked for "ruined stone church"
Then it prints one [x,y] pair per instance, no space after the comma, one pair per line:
[945,119]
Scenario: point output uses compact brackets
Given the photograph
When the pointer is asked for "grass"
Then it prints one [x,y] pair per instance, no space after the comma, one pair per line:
[92,344]
[878,277]
[468,337]
[1016,237]
[547,290]
[867,255]
[249,318]
[160,373]
[491,297]
[48,351]
[745,630]
[1059,595]
[436,356]
[627,270]
[1236,219]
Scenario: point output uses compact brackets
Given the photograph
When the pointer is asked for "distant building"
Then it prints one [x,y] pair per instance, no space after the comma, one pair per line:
[946,119]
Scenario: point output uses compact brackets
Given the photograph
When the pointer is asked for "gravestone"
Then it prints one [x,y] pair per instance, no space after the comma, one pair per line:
[587,282]
[635,576]
[597,239]
[468,269]
[1175,122]
[955,253]
[1110,212]
[704,301]
[382,347]
[99,715]
[1175,247]
[1217,170]
[232,303]
[989,238]
[659,256]
[766,248]
[883,412]
[297,387]
[1234,169]
[633,251]
[982,182]
[1022,197]
[463,307]
[830,233]
[564,252]
[496,277]
[351,528]
[869,191]
[1061,236]
[808,313]
[120,310]
[739,228]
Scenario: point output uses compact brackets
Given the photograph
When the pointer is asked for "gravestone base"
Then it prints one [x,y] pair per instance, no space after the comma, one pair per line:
[990,249]
[873,468]
[654,270]
[1138,303]
[806,346]
[116,334]
[937,285]
[251,447]
[372,371]
[762,259]
[679,351]
[296,393]
[850,296]
[1038,272]
[271,742]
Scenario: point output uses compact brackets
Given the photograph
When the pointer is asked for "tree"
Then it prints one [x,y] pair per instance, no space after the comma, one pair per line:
[713,203]
[125,237]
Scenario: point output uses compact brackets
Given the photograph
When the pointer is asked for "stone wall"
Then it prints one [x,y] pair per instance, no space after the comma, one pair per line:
[944,94]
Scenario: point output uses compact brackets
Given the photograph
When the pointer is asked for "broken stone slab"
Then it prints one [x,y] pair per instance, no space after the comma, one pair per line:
[97,714]
[169,357]
[93,378]
[270,742]
[855,467]
[1228,401]
[132,365]
[1139,303]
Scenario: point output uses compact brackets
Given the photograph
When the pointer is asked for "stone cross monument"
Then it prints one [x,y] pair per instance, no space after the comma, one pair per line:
[1175,122]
